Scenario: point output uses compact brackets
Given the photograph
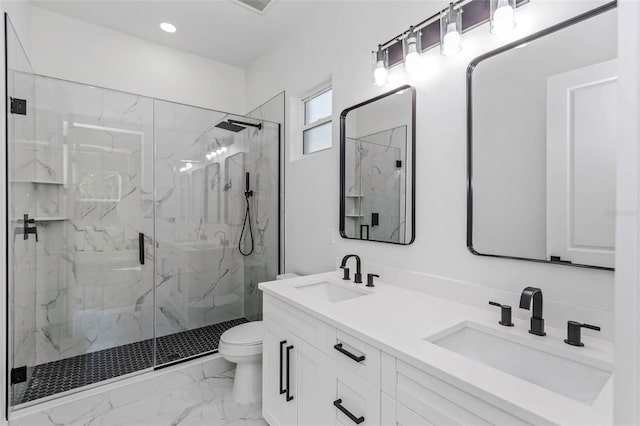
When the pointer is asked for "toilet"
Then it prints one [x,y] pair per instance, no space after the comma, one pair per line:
[242,345]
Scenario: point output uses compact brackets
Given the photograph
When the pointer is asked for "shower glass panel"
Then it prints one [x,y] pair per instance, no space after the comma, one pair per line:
[90,184]
[204,161]
[263,165]
[22,189]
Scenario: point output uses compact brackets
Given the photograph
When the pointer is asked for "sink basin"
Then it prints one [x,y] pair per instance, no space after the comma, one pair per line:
[580,380]
[330,292]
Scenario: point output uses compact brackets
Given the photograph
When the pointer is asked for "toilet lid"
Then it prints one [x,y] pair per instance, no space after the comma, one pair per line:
[250,333]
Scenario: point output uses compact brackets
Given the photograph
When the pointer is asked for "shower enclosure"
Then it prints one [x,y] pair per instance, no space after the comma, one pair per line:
[125,223]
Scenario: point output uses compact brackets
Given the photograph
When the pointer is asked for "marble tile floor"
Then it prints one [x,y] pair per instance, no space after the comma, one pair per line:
[193,397]
[82,370]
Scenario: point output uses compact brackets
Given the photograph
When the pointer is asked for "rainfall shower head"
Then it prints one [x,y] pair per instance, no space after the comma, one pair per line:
[227,125]
[237,126]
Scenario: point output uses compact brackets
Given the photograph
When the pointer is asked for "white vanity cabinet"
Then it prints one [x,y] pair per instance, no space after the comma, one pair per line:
[294,370]
[317,374]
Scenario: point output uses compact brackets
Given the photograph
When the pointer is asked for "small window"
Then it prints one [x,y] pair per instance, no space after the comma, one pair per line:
[317,131]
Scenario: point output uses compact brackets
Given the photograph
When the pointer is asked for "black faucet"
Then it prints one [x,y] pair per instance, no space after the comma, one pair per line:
[537,322]
[358,277]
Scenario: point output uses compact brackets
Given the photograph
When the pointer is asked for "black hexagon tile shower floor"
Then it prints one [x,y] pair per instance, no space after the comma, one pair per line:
[82,370]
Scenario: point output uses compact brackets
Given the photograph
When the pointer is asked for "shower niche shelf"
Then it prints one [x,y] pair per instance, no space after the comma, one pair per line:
[45,219]
[39,182]
[51,219]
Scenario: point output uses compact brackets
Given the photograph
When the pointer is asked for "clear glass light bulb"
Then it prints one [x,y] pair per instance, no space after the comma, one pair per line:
[189,165]
[451,42]
[412,61]
[503,18]
[223,149]
[213,154]
[208,156]
[380,74]
[219,151]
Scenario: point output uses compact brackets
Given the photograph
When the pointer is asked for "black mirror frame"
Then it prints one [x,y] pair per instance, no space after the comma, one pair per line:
[575,20]
[343,122]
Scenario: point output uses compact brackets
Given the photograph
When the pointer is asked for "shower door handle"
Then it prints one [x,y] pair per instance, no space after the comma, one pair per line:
[141,247]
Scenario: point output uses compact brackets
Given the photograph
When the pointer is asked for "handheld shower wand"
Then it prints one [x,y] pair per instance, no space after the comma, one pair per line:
[248,193]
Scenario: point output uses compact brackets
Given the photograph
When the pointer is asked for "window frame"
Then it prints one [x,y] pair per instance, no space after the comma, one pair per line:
[319,122]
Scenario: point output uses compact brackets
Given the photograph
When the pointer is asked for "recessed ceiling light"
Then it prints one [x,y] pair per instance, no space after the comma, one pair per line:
[170,28]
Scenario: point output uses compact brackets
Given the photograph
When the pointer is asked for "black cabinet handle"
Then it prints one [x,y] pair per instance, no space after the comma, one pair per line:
[282,343]
[356,420]
[289,397]
[343,351]
[364,227]
[141,247]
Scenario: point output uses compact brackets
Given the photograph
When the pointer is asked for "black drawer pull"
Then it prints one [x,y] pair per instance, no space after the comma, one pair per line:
[356,420]
[343,351]
[282,343]
[289,348]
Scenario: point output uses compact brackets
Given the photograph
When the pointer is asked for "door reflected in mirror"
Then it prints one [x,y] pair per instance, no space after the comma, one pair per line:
[542,119]
[377,145]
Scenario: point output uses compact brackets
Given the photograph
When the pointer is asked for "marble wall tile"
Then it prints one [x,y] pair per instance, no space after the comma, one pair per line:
[274,111]
[377,185]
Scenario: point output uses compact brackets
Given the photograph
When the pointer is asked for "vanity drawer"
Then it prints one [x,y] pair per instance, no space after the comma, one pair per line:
[355,355]
[351,399]
[396,414]
[441,403]
[297,322]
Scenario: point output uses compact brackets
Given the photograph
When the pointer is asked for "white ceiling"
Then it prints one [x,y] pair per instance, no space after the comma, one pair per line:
[218,29]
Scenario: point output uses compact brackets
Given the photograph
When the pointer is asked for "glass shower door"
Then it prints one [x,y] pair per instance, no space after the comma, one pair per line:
[21,226]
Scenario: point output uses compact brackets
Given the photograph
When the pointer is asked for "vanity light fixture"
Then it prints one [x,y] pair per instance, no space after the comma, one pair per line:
[444,29]
[450,30]
[167,27]
[380,72]
[412,60]
[502,13]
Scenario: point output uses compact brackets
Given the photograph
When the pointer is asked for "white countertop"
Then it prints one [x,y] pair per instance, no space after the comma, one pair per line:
[398,320]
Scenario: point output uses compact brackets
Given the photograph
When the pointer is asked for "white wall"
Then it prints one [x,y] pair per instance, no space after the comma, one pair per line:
[342,48]
[74,50]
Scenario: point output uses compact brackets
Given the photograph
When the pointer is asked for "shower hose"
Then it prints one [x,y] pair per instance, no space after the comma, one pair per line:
[247,220]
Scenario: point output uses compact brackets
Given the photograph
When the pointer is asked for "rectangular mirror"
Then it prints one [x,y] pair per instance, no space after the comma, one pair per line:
[542,117]
[377,168]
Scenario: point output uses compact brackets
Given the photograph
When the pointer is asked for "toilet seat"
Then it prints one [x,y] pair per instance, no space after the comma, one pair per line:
[248,334]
